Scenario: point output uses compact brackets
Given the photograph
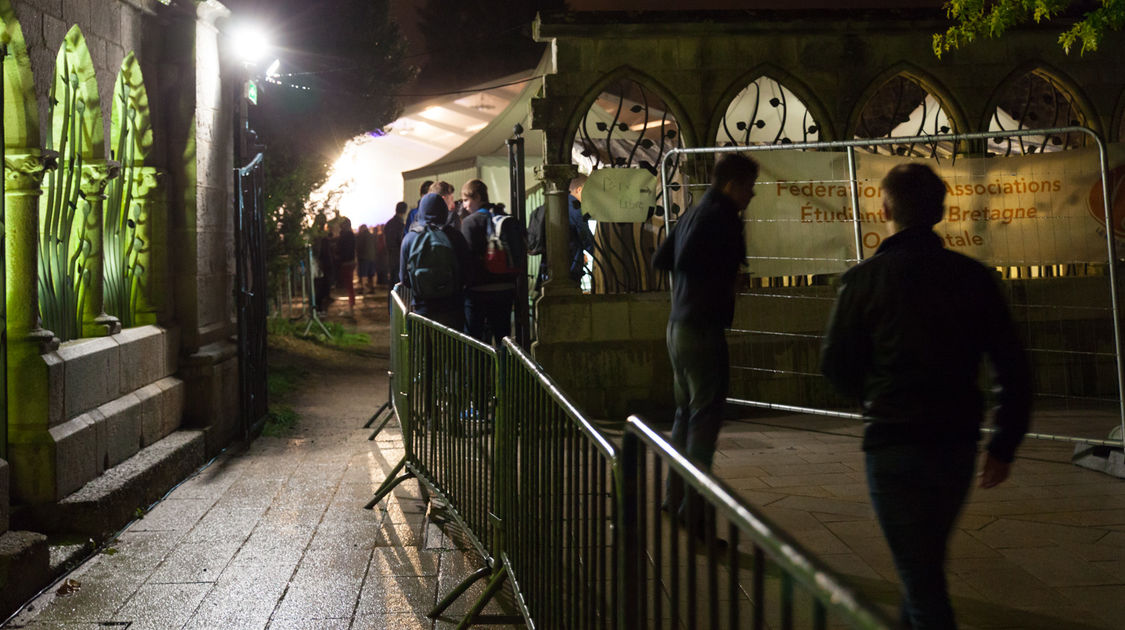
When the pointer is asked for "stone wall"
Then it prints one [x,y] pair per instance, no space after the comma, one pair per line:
[110,397]
[112,28]
[833,60]
[608,350]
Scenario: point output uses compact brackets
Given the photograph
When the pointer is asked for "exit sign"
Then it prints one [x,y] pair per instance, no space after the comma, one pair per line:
[252,92]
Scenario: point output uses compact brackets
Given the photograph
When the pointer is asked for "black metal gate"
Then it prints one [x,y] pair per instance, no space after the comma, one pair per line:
[518,209]
[252,293]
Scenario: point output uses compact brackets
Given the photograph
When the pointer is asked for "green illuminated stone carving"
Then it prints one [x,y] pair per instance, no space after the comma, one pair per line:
[70,240]
[128,228]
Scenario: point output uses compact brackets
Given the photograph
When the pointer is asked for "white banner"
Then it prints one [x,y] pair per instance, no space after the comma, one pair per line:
[1021,210]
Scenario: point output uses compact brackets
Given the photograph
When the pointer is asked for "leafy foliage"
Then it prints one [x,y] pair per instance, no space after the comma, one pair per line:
[992,18]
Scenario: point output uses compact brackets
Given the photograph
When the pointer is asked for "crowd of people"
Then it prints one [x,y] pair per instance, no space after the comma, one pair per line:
[460,255]
[461,258]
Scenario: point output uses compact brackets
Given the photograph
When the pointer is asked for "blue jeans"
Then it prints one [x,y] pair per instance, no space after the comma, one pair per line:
[917,491]
[701,377]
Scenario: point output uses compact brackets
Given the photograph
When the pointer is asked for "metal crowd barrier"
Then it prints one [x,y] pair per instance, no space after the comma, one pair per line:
[560,547]
[665,585]
[447,386]
[572,521]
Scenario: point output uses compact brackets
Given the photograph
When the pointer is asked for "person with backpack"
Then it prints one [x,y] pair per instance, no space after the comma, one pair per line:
[496,242]
[580,238]
[435,265]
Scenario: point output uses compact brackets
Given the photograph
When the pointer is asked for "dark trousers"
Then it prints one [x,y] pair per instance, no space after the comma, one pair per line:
[488,314]
[917,491]
[701,376]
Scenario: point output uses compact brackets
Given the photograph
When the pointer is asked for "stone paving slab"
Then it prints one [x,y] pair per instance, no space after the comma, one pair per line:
[1042,551]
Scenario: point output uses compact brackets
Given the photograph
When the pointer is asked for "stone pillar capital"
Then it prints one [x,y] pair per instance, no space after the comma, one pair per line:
[556,179]
[23,171]
[95,177]
[557,176]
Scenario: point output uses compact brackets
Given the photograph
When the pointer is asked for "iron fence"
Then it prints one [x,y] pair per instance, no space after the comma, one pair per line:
[447,386]
[1059,268]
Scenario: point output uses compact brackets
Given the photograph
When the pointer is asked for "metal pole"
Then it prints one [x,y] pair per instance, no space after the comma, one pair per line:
[1111,249]
[518,203]
[240,255]
[854,179]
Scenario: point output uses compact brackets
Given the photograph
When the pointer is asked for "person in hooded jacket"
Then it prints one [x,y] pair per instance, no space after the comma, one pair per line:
[447,310]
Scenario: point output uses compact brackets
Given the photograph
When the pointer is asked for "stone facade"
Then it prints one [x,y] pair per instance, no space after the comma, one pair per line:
[608,350]
[85,406]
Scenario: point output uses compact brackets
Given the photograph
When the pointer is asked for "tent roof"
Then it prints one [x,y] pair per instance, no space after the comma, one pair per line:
[490,137]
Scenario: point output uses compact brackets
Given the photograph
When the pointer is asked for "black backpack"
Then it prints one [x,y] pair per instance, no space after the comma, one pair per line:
[536,234]
[432,264]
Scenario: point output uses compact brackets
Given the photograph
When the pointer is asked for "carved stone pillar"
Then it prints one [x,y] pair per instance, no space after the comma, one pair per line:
[556,178]
[95,178]
[151,254]
[30,447]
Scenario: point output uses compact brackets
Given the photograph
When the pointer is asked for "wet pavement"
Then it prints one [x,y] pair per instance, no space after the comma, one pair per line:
[275,536]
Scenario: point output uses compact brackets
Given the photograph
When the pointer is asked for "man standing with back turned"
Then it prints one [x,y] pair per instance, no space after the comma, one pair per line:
[906,338]
[705,252]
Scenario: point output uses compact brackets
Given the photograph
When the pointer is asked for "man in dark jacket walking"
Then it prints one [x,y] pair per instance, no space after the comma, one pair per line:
[905,339]
[705,253]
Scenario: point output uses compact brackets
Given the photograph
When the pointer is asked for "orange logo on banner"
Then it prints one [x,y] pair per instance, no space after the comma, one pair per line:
[1117,200]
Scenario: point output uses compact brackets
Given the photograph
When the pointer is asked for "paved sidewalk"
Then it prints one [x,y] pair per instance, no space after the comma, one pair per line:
[1043,551]
[276,536]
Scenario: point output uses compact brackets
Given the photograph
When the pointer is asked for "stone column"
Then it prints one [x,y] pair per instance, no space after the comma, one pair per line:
[556,178]
[151,228]
[95,177]
[30,447]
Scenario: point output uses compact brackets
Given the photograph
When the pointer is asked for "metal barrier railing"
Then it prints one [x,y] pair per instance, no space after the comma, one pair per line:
[662,581]
[446,383]
[554,507]
[814,218]
[560,547]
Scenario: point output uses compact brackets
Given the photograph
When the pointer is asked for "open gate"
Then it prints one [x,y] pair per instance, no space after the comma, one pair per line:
[251,293]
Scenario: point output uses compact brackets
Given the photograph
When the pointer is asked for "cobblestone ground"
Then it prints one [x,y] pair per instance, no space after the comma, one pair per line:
[275,535]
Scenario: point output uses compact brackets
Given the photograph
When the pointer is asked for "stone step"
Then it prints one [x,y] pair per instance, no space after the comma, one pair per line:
[24,568]
[107,503]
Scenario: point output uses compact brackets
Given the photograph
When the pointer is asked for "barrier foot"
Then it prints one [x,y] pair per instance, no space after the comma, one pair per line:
[375,416]
[389,484]
[457,592]
[390,414]
[493,588]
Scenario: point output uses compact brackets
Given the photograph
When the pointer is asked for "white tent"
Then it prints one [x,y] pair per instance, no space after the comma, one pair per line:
[484,154]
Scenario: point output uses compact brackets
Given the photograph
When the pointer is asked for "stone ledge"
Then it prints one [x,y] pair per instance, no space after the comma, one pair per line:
[108,502]
[24,568]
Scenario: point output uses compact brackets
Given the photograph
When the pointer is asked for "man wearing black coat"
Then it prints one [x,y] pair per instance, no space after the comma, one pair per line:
[906,338]
[705,253]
